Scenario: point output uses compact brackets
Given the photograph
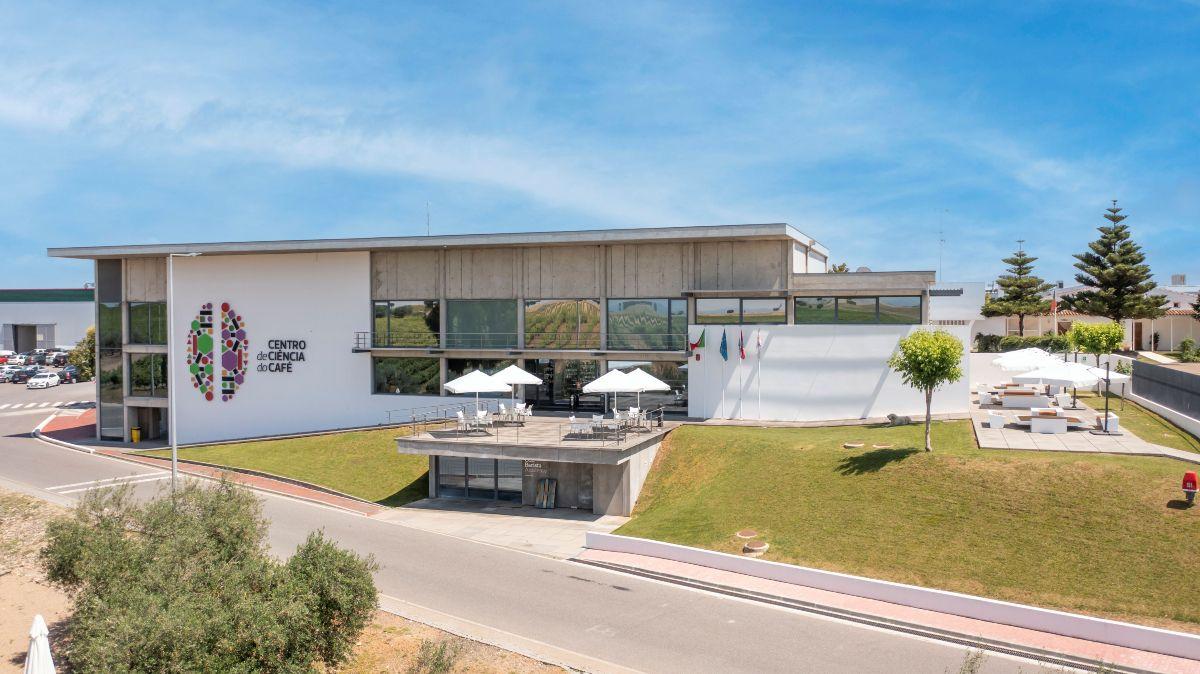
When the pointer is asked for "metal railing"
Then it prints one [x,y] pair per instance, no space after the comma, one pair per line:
[366,340]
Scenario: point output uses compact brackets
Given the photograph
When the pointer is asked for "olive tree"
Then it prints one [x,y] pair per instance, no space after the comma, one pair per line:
[188,585]
[926,361]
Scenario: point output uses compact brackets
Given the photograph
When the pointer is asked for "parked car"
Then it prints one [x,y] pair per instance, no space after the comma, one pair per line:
[42,380]
[59,359]
[16,359]
[5,355]
[19,376]
[69,374]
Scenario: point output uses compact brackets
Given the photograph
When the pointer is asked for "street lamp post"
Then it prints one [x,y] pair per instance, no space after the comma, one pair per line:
[172,348]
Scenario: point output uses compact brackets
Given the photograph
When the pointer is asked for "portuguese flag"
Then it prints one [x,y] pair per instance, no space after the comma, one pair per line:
[699,344]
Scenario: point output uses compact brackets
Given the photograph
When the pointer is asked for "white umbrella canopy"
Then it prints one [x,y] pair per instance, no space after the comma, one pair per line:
[1024,360]
[614,382]
[646,382]
[516,376]
[1061,374]
[39,660]
[477,382]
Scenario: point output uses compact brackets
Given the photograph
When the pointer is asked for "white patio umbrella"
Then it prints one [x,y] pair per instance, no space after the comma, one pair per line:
[39,660]
[1024,360]
[614,382]
[477,382]
[515,376]
[1060,374]
[646,382]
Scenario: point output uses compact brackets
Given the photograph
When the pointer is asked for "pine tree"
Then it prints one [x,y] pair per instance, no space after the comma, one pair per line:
[1022,291]
[1117,278]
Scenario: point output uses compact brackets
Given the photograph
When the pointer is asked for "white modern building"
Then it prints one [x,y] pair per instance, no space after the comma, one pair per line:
[42,318]
[278,337]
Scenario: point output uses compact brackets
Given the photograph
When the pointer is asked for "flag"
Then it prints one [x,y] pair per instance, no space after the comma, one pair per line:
[724,346]
[742,345]
[699,344]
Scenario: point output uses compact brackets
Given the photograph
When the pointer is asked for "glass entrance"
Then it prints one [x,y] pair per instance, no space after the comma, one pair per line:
[562,384]
[489,479]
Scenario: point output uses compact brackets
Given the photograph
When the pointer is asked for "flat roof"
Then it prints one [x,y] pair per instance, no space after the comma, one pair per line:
[558,238]
[47,294]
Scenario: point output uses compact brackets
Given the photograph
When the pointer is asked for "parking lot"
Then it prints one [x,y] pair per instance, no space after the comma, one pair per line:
[16,400]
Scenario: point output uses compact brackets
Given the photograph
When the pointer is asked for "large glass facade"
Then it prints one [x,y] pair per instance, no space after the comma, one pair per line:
[147,322]
[562,383]
[492,479]
[481,324]
[671,372]
[406,323]
[457,367]
[148,375]
[732,310]
[406,376]
[647,324]
[562,324]
[109,370]
[905,309]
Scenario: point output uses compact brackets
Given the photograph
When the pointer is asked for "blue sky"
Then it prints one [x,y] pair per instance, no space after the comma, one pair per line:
[870,126]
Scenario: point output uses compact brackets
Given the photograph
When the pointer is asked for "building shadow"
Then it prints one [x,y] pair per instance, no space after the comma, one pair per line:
[873,461]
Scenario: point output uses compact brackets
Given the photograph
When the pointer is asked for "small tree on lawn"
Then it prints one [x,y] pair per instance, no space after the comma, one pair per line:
[83,356]
[1117,277]
[1023,291]
[188,585]
[927,360]
[1096,338]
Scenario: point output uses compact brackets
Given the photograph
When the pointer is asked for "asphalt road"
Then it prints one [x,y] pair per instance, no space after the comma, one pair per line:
[614,618]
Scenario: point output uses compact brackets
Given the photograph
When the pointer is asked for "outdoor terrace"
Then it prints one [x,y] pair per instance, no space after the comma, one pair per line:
[541,438]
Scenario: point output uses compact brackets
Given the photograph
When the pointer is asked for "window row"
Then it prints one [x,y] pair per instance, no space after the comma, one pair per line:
[147,324]
[733,310]
[872,310]
[633,324]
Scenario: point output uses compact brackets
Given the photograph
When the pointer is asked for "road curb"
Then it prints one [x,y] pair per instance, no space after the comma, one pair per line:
[1041,656]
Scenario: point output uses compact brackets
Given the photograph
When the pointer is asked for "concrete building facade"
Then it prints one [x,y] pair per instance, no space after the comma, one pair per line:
[43,318]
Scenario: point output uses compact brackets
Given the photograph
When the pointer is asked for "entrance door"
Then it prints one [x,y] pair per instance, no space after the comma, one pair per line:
[1137,335]
[25,338]
[562,384]
[487,479]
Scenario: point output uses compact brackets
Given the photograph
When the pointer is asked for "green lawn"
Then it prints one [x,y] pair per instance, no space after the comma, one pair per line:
[1143,423]
[1088,533]
[363,463]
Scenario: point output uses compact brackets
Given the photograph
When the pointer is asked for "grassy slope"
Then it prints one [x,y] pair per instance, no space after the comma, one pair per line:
[363,463]
[1086,533]
[1143,423]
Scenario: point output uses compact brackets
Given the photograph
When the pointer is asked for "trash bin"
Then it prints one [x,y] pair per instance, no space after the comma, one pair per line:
[135,434]
[1189,485]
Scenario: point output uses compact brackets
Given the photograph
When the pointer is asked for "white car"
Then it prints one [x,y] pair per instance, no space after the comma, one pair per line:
[42,380]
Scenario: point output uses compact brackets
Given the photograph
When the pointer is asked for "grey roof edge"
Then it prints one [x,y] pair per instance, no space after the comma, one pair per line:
[554,238]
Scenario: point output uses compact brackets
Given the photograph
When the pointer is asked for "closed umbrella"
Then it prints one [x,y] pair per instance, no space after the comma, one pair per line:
[515,376]
[477,382]
[39,660]
[646,382]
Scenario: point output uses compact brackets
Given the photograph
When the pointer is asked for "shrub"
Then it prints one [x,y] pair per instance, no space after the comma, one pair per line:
[1188,352]
[1012,343]
[1123,367]
[987,343]
[435,657]
[1053,343]
[187,584]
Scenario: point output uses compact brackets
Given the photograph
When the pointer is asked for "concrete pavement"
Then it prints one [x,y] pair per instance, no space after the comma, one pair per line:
[556,610]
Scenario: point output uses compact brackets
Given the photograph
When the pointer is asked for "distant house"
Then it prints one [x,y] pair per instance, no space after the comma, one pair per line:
[43,318]
[1177,325]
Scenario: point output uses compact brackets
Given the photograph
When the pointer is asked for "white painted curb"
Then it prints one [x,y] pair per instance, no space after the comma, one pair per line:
[1167,642]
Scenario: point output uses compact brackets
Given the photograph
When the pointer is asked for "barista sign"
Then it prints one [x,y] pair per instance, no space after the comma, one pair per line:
[282,355]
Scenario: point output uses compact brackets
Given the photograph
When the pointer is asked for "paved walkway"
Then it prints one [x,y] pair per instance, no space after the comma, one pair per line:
[1156,357]
[1019,437]
[556,533]
[883,612]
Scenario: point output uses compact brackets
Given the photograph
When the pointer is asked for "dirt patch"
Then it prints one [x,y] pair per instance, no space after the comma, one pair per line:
[24,591]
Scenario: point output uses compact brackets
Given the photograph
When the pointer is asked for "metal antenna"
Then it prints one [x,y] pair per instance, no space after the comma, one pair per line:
[941,251]
[1020,245]
[427,218]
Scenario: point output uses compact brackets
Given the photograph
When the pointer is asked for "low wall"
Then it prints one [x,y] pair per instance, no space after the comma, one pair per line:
[1152,639]
[1189,424]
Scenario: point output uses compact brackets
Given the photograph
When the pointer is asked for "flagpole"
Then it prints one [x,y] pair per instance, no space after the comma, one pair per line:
[758,356]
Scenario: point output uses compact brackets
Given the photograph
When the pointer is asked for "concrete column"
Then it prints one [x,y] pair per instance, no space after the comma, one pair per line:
[442,376]
[602,261]
[520,322]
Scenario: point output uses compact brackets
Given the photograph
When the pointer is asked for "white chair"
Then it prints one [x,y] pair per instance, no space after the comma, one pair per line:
[985,398]
[1064,400]
[578,427]
[462,421]
[995,420]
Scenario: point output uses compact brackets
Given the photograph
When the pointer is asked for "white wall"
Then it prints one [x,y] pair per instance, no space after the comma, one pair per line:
[321,298]
[70,319]
[811,373]
[964,307]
